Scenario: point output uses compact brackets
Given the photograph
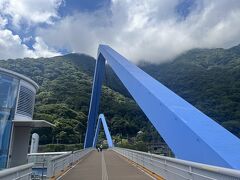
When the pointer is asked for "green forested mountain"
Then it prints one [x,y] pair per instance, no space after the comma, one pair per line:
[207,78]
[64,96]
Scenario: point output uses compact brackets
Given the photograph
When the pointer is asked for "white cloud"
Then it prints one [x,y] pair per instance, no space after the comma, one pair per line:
[30,11]
[42,50]
[148,29]
[12,47]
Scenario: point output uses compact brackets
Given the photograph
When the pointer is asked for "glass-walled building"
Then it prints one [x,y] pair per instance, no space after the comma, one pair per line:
[8,96]
[17,96]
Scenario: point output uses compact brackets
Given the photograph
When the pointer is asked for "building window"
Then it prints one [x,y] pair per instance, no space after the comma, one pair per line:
[8,95]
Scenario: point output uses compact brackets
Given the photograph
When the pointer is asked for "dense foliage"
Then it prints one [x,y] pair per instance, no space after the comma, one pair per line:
[64,96]
[207,78]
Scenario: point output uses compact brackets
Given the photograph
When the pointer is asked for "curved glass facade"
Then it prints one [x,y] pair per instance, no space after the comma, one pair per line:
[8,95]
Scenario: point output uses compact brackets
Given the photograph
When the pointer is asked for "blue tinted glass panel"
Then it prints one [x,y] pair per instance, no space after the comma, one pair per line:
[8,94]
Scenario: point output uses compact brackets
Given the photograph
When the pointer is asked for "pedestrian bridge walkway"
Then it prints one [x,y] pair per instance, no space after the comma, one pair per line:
[117,163]
[104,165]
[204,150]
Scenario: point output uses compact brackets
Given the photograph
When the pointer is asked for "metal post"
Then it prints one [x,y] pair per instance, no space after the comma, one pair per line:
[95,98]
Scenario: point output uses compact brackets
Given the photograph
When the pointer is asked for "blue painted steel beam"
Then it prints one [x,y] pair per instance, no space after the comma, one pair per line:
[95,99]
[189,133]
[101,119]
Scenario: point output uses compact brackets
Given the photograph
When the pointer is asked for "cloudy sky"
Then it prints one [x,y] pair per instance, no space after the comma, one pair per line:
[152,30]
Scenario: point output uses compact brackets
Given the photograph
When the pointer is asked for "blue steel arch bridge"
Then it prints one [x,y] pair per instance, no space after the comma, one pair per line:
[203,149]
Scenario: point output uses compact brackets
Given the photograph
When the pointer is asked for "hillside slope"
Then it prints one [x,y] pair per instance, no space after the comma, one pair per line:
[64,96]
[207,78]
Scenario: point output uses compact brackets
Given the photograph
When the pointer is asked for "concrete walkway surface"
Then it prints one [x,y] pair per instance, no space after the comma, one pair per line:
[106,165]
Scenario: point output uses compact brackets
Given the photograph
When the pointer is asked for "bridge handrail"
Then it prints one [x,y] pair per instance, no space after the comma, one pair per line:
[58,164]
[40,160]
[60,156]
[22,172]
[172,168]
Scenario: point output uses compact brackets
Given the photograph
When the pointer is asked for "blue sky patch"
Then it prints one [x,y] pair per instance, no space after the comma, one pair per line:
[71,6]
[185,7]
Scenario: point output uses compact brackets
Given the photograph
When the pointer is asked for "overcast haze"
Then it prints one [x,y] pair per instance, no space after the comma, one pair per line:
[150,30]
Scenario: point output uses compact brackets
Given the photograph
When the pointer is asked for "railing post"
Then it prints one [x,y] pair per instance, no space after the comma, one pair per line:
[50,169]
[143,159]
[73,159]
[53,169]
[63,164]
[165,166]
[190,171]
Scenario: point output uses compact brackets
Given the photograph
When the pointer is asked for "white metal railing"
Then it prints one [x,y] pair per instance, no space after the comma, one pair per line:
[22,172]
[176,169]
[58,164]
[40,161]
